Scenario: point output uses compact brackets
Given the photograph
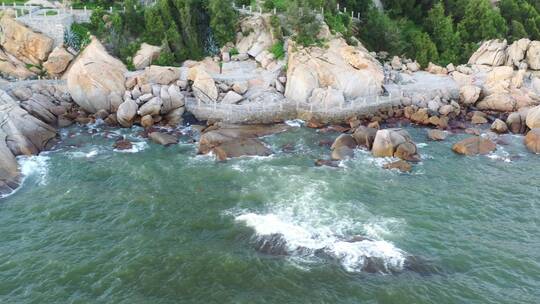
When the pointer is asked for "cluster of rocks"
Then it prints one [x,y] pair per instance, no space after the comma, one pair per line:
[523,54]
[228,141]
[25,53]
[29,117]
[391,143]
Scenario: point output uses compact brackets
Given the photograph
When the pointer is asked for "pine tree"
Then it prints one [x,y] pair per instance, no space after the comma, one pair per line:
[222,20]
[441,29]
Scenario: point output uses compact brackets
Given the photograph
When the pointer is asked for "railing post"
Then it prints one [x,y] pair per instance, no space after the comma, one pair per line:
[85,9]
[110,9]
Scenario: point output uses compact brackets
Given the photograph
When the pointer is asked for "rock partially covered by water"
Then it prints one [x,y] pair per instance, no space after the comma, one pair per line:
[394,143]
[20,134]
[437,135]
[400,165]
[163,139]
[228,141]
[343,147]
[474,146]
[365,136]
[96,80]
[532,141]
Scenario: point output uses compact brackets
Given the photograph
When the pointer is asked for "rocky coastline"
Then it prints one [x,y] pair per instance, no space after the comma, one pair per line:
[245,93]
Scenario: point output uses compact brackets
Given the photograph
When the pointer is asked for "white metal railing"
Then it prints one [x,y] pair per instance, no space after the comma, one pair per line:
[285,109]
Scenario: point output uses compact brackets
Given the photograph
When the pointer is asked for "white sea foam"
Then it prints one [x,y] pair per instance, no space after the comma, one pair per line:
[135,148]
[81,154]
[35,165]
[422,145]
[296,123]
[306,239]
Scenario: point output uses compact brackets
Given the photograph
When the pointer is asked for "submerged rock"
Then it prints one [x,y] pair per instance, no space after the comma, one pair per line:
[400,165]
[163,139]
[474,146]
[242,147]
[437,135]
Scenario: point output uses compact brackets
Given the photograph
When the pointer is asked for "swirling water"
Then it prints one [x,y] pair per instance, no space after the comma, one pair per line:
[163,225]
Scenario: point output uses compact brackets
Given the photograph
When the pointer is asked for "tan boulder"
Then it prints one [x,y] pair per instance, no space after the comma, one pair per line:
[204,86]
[22,42]
[351,70]
[159,75]
[58,61]
[256,35]
[96,80]
[502,102]
[145,56]
[516,121]
[499,126]
[343,147]
[364,136]
[469,94]
[394,142]
[474,146]
[498,81]
[152,107]
[126,113]
[20,134]
[533,118]
[437,135]
[533,55]
[516,52]
[242,147]
[163,139]
[435,69]
[11,66]
[491,52]
[532,141]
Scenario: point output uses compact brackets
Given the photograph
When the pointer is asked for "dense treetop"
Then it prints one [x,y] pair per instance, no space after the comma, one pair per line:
[440,31]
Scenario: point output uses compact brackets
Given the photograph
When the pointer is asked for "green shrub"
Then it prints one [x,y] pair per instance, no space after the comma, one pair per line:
[278,50]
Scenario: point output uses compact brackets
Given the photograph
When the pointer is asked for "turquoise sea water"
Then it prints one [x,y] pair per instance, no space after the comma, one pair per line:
[163,225]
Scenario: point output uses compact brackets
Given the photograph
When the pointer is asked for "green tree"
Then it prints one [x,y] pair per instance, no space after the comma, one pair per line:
[303,22]
[517,31]
[418,44]
[441,29]
[222,20]
[381,33]
[481,22]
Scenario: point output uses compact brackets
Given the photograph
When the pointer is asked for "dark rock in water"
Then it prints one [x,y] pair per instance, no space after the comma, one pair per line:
[163,139]
[123,144]
[242,147]
[326,143]
[273,244]
[324,162]
[288,148]
[358,238]
[420,266]
[400,165]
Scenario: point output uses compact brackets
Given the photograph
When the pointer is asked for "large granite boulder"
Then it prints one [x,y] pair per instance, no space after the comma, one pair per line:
[256,35]
[58,61]
[159,75]
[469,94]
[533,118]
[394,143]
[343,147]
[22,42]
[533,55]
[126,113]
[20,134]
[492,53]
[351,70]
[145,56]
[204,87]
[532,141]
[12,67]
[96,80]
[516,52]
[217,136]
